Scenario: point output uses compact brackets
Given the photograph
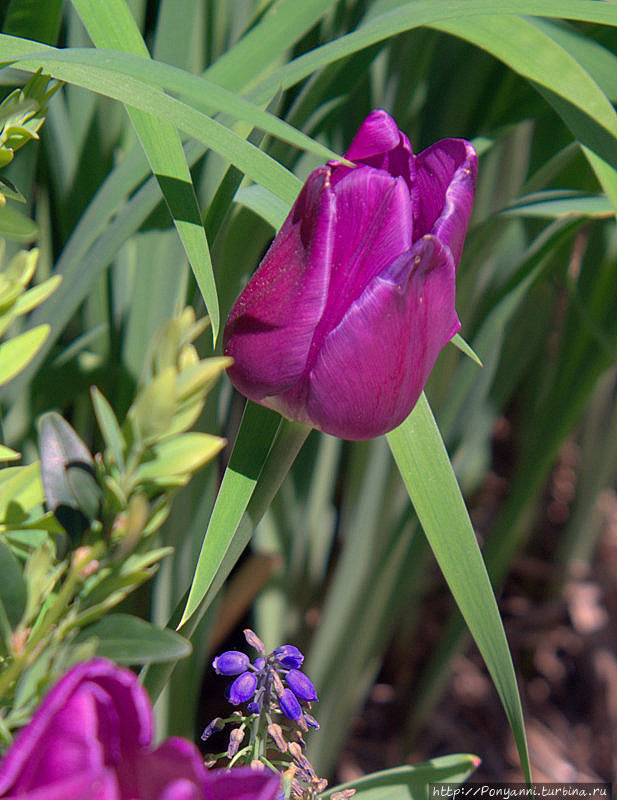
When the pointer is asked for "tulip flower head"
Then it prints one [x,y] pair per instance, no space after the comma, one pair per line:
[91,739]
[341,324]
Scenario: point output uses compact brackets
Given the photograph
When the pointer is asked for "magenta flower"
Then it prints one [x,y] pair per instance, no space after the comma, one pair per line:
[342,322]
[91,739]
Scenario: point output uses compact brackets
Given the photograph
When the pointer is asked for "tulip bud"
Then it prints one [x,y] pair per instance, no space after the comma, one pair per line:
[342,322]
[232,662]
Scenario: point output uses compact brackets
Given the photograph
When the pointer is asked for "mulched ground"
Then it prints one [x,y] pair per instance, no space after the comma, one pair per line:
[564,646]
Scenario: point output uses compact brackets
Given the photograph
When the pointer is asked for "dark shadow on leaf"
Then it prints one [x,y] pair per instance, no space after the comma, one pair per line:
[180,197]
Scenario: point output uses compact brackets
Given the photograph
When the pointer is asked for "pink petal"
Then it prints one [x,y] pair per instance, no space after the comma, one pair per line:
[39,756]
[87,786]
[174,771]
[373,227]
[285,298]
[446,179]
[242,784]
[378,143]
[373,366]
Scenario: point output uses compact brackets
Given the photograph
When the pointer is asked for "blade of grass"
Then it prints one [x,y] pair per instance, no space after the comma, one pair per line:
[199,92]
[423,462]
[561,79]
[111,24]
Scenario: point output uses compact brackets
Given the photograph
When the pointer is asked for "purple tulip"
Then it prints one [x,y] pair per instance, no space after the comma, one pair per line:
[91,739]
[342,322]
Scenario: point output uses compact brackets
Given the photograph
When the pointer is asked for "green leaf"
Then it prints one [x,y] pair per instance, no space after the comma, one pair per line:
[20,486]
[197,92]
[391,18]
[265,449]
[559,203]
[110,428]
[251,160]
[8,454]
[112,25]
[13,592]
[8,189]
[17,353]
[257,431]
[178,457]
[16,226]
[153,410]
[37,295]
[264,203]
[567,86]
[130,640]
[464,347]
[35,19]
[427,473]
[410,782]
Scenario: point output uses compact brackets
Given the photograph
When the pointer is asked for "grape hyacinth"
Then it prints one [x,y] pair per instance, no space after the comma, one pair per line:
[277,696]
[273,684]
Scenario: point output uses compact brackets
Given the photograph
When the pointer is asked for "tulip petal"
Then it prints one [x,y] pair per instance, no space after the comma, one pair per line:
[242,784]
[446,180]
[379,143]
[373,227]
[69,713]
[174,771]
[96,785]
[285,298]
[372,368]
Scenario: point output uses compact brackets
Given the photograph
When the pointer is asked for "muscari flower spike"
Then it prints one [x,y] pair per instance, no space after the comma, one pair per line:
[277,696]
[272,683]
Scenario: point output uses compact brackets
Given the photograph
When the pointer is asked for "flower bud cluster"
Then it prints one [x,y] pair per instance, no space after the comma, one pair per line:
[277,696]
[272,684]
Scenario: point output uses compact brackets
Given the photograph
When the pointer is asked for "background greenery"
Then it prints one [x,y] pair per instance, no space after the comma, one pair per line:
[214,112]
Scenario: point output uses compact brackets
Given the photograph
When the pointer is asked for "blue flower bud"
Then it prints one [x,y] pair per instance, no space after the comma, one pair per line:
[242,689]
[289,705]
[253,708]
[300,685]
[288,656]
[232,662]
[259,663]
[216,725]
[311,721]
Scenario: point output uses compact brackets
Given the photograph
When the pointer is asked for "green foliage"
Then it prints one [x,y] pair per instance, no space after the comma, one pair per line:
[232,107]
[410,782]
[130,640]
[109,506]
[22,113]
[15,301]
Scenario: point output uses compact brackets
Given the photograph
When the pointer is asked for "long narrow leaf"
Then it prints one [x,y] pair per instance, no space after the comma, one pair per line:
[199,92]
[566,85]
[112,25]
[427,473]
